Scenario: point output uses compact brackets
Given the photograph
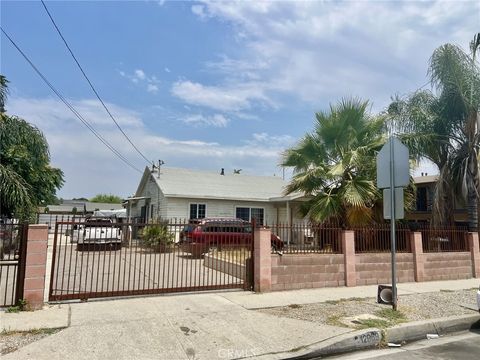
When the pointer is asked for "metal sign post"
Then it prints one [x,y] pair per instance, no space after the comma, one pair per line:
[394,155]
[392,226]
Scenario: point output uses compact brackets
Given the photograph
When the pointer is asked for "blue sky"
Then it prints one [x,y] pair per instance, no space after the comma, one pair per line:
[207,85]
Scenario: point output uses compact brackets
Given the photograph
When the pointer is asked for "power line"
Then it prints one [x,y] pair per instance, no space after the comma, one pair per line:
[72,109]
[91,85]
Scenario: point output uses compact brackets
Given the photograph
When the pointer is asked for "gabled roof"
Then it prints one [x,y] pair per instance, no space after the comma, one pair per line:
[186,183]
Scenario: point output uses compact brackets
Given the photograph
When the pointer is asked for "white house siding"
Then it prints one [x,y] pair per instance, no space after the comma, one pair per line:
[180,208]
[154,196]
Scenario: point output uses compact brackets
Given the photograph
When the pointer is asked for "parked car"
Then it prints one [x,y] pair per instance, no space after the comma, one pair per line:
[95,231]
[202,234]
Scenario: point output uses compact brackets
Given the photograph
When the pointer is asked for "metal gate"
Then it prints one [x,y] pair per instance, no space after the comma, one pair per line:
[99,258]
[13,252]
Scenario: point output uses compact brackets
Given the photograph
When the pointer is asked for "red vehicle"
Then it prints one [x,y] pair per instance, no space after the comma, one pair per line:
[201,234]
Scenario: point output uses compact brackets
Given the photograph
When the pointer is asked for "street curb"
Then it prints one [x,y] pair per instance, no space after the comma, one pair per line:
[351,341]
[371,338]
[419,329]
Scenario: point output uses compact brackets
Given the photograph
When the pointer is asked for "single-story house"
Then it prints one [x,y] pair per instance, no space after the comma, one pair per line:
[187,194]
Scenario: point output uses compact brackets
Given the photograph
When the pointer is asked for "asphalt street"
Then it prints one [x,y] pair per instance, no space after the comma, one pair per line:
[460,346]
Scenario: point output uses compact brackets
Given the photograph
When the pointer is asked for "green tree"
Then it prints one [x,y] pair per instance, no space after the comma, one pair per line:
[27,179]
[107,198]
[334,165]
[443,127]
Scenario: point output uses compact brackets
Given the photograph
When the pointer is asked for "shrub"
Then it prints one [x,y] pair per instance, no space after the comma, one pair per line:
[157,236]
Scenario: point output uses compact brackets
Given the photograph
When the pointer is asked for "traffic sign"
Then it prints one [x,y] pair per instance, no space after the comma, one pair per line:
[401,167]
[399,204]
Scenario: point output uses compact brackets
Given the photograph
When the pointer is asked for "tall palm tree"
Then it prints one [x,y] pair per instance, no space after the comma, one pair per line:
[334,165]
[443,127]
[428,133]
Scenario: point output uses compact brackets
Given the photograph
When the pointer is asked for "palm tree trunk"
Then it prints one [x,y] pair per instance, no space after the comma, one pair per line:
[472,209]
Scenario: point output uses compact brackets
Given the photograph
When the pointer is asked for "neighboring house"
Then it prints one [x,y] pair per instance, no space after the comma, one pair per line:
[425,198]
[70,207]
[49,214]
[188,194]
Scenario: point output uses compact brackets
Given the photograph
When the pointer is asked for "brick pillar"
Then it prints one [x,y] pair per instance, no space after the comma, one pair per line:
[35,267]
[418,258]
[474,247]
[348,246]
[262,262]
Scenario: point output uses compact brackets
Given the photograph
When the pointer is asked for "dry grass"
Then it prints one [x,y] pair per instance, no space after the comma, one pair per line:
[235,255]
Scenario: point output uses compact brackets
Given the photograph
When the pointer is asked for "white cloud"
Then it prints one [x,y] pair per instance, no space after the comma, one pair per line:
[199,10]
[167,70]
[140,77]
[139,74]
[221,98]
[90,168]
[152,88]
[320,51]
[217,120]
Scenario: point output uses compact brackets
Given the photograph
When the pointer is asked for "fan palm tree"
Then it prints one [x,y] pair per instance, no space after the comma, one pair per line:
[443,127]
[334,165]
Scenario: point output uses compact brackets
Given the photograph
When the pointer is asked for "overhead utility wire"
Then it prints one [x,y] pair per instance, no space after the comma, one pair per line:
[91,85]
[72,109]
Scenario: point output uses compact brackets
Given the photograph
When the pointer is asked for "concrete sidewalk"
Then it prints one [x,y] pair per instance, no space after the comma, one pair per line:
[193,326]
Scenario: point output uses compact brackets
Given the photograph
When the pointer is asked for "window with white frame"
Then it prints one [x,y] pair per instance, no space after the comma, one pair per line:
[198,211]
[248,214]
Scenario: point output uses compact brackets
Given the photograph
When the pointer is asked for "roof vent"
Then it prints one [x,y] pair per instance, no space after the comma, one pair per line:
[222,172]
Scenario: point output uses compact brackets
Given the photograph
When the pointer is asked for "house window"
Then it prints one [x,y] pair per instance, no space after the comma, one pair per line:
[198,211]
[248,214]
[422,204]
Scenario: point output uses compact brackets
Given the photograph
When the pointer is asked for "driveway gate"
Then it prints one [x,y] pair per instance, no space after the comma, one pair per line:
[94,259]
[13,252]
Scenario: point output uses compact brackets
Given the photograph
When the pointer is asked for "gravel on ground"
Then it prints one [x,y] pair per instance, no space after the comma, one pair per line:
[413,307]
[13,340]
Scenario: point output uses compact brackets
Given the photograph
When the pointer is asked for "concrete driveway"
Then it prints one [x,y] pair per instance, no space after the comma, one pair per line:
[131,269]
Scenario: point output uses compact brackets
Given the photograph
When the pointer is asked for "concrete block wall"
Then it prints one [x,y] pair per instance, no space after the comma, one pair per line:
[305,271]
[35,267]
[375,268]
[447,266]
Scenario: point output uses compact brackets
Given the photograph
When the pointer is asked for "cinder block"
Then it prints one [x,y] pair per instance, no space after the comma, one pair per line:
[36,259]
[34,284]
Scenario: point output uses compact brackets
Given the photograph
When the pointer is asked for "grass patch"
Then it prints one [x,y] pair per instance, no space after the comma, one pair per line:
[372,323]
[294,306]
[389,318]
[391,315]
[21,306]
[334,320]
[343,300]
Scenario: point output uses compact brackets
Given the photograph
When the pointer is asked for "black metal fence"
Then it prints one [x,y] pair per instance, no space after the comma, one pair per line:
[102,259]
[444,239]
[304,238]
[12,262]
[376,238]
